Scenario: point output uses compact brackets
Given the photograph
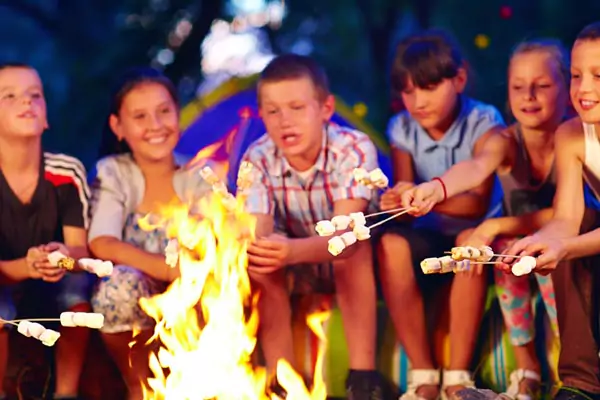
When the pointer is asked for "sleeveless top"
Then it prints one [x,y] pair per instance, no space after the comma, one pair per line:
[591,162]
[522,192]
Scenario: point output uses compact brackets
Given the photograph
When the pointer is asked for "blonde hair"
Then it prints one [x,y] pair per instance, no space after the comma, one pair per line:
[552,47]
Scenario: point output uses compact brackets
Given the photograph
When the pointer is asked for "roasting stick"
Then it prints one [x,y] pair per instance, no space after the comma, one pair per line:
[494,255]
[404,211]
[386,212]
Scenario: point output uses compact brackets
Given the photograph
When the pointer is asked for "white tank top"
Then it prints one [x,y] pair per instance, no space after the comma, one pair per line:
[591,163]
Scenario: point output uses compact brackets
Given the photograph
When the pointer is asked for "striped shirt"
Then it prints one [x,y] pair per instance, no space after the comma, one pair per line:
[60,199]
[297,201]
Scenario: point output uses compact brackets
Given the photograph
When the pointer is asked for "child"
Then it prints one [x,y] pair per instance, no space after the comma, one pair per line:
[43,208]
[523,157]
[439,128]
[304,168]
[141,175]
[576,280]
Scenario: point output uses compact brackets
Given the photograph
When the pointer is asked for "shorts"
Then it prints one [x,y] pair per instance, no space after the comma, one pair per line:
[46,298]
[423,243]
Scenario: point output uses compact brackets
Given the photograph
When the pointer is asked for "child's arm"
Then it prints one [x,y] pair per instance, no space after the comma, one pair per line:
[14,271]
[517,225]
[404,178]
[469,183]
[106,228]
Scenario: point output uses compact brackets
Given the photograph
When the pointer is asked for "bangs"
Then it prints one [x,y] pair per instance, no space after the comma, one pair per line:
[425,62]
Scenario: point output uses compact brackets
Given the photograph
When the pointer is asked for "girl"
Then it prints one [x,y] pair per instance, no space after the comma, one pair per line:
[143,175]
[570,235]
[523,157]
[439,128]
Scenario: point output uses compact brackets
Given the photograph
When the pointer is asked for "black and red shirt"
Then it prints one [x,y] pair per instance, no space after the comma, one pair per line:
[61,198]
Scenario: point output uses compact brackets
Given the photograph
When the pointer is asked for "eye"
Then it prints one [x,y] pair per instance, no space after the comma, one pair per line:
[297,107]
[8,96]
[516,87]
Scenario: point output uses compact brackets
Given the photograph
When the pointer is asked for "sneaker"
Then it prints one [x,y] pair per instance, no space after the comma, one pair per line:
[363,385]
[569,393]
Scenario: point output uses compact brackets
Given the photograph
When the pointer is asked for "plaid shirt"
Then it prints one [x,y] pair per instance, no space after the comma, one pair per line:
[297,204]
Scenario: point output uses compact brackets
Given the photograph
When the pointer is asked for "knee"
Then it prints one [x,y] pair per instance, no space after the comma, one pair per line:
[392,245]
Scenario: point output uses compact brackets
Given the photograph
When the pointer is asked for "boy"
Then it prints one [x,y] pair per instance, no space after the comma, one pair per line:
[570,238]
[304,166]
[43,208]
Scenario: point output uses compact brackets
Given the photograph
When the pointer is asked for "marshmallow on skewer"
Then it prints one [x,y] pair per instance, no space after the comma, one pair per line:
[462,266]
[58,259]
[447,264]
[473,252]
[358,218]
[32,329]
[378,179]
[487,253]
[172,253]
[341,222]
[245,176]
[458,253]
[362,232]
[431,266]
[49,337]
[88,320]
[336,245]
[349,238]
[209,175]
[98,267]
[325,228]
[361,176]
[524,266]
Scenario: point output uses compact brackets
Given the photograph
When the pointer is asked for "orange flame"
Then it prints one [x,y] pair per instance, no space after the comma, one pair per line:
[207,320]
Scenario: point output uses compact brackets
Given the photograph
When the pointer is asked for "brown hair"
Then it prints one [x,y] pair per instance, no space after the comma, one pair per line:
[552,47]
[590,32]
[294,66]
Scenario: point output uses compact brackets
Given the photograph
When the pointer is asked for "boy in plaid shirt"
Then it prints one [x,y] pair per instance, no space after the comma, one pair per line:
[304,173]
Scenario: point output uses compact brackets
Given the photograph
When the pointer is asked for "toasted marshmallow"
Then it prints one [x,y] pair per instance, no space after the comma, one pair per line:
[49,337]
[378,178]
[487,253]
[361,176]
[447,263]
[431,265]
[55,257]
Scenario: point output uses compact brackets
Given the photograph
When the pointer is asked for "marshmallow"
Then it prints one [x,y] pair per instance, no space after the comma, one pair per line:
[98,267]
[473,252]
[462,266]
[49,337]
[361,176]
[431,265]
[245,176]
[358,218]
[362,232]
[459,253]
[336,245]
[341,222]
[378,178]
[487,253]
[325,228]
[349,238]
[220,188]
[447,264]
[524,266]
[55,257]
[209,175]
[104,269]
[88,320]
[229,202]
[30,329]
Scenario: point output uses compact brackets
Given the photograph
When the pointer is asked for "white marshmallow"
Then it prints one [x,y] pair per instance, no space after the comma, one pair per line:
[459,253]
[487,253]
[30,329]
[209,175]
[325,228]
[447,264]
[23,328]
[378,178]
[94,320]
[172,246]
[98,267]
[362,232]
[55,257]
[49,337]
[229,202]
[361,176]
[336,245]
[431,266]
[171,259]
[473,252]
[462,266]
[524,266]
[341,222]
[79,319]
[349,238]
[220,188]
[105,269]
[358,218]
[66,319]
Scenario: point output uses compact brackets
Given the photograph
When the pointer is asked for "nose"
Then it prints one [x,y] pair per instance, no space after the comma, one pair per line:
[586,83]
[155,122]
[285,118]
[529,93]
[420,99]
[26,99]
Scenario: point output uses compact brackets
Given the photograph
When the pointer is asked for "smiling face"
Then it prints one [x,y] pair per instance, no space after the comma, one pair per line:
[22,103]
[148,121]
[585,80]
[537,90]
[294,115]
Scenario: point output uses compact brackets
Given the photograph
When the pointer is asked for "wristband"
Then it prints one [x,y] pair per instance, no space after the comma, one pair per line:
[443,187]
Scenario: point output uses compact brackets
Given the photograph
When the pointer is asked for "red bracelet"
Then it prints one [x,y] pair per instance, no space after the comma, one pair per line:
[443,186]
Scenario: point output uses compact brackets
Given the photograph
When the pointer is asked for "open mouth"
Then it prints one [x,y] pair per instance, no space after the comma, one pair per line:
[28,115]
[531,109]
[291,139]
[157,139]
[587,104]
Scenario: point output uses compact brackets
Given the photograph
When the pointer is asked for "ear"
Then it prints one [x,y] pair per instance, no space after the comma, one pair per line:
[115,126]
[460,80]
[328,107]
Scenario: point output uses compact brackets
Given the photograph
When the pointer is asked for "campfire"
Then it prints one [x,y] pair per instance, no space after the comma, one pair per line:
[207,320]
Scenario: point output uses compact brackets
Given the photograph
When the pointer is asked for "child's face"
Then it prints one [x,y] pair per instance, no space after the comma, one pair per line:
[433,107]
[22,103]
[585,79]
[537,92]
[148,121]
[294,115]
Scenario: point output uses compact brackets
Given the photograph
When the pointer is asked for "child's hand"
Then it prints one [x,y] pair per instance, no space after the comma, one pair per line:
[391,198]
[423,198]
[269,254]
[49,272]
[33,257]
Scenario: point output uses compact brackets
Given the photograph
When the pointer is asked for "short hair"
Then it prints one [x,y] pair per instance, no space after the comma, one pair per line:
[294,66]
[590,32]
[553,47]
[15,64]
[425,60]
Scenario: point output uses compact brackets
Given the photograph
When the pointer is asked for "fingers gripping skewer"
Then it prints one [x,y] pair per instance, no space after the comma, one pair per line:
[472,255]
